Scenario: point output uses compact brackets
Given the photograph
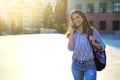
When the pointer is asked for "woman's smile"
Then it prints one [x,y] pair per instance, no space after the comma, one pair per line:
[77,19]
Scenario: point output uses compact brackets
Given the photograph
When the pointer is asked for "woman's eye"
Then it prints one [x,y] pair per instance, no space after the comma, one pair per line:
[77,17]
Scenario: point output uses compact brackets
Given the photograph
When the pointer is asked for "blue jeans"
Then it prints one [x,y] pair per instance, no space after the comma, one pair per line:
[84,70]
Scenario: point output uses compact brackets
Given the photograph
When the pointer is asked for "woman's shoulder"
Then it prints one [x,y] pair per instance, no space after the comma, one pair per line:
[94,29]
[95,32]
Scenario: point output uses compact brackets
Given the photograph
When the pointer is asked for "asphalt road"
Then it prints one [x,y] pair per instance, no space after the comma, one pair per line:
[45,57]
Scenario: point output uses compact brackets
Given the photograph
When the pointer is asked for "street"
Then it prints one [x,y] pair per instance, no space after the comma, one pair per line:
[46,57]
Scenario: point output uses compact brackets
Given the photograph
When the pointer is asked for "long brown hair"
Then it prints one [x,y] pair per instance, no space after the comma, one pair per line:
[86,25]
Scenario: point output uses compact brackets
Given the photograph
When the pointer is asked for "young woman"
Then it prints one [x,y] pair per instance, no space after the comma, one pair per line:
[83,65]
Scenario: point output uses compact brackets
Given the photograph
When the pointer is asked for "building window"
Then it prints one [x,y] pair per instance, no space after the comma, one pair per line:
[102,25]
[91,23]
[90,8]
[78,6]
[103,7]
[116,25]
[116,7]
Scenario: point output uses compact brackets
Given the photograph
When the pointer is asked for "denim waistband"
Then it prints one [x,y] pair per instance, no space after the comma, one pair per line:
[85,61]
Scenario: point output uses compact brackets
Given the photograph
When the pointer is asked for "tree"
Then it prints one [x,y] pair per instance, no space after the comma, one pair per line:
[3,26]
[47,15]
[60,15]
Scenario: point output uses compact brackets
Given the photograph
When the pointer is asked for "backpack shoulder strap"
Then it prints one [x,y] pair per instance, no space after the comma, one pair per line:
[90,32]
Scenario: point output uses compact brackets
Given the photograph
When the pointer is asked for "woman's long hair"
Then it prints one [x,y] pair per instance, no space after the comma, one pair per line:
[86,25]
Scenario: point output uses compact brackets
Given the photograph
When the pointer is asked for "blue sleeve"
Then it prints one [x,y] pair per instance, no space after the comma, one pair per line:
[69,48]
[98,38]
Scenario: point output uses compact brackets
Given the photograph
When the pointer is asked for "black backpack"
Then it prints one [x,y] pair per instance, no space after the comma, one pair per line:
[99,56]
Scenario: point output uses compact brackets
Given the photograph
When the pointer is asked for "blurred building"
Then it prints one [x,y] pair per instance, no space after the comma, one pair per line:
[33,16]
[22,16]
[104,15]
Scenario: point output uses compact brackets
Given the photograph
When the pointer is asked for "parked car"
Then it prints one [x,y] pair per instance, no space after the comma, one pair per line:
[47,31]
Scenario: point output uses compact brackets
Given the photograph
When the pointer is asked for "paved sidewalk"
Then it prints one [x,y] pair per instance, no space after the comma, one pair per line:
[111,72]
[45,57]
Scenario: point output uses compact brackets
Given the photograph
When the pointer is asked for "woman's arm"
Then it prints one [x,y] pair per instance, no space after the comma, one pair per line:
[95,44]
[71,39]
[96,40]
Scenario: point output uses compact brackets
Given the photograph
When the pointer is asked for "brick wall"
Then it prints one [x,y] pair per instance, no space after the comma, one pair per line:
[108,17]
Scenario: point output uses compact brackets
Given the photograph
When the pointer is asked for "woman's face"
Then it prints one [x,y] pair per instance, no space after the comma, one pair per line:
[77,19]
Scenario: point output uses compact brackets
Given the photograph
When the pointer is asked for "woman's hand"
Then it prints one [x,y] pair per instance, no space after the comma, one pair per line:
[97,45]
[91,38]
[72,30]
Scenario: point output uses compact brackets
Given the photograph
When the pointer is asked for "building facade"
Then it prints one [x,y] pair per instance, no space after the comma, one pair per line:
[104,15]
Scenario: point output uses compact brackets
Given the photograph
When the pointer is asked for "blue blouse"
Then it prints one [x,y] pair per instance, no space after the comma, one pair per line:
[82,49]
